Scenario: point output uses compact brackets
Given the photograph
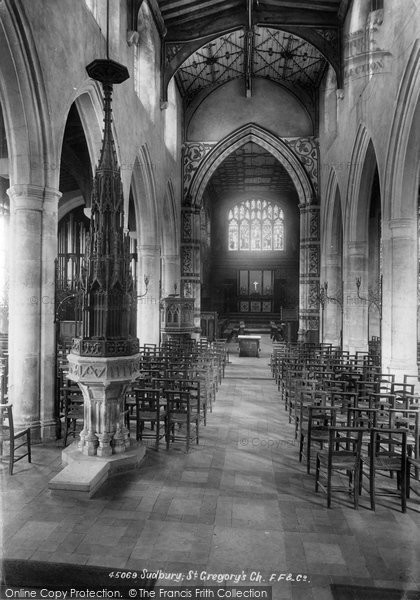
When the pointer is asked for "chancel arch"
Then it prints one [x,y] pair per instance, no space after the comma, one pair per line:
[249,184]
[260,136]
[305,194]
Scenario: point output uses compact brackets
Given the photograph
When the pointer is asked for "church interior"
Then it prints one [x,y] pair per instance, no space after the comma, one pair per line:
[209,297]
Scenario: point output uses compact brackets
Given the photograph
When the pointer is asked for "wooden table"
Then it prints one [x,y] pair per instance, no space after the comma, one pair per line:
[249,345]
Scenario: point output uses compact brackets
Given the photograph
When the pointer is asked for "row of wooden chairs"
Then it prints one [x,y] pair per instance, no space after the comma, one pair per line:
[178,381]
[172,399]
[361,421]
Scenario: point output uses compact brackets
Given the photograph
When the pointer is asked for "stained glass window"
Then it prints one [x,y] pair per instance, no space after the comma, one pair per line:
[256,225]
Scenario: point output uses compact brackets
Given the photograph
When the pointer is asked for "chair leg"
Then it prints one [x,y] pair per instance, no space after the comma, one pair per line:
[372,490]
[12,455]
[28,442]
[318,465]
[168,432]
[65,432]
[356,487]
[302,438]
[329,475]
[308,456]
[403,475]
[407,485]
[157,433]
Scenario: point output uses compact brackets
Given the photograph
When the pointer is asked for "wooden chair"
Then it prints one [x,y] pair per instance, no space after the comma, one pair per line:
[15,439]
[148,410]
[412,463]
[343,455]
[182,421]
[388,454]
[73,410]
[315,419]
[198,399]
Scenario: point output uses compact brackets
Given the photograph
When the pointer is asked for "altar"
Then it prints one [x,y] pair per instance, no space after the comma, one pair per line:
[249,345]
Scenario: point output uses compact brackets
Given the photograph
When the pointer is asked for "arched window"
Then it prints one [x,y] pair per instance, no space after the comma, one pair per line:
[256,225]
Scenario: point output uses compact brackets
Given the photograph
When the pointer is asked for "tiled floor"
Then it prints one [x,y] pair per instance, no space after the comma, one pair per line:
[237,503]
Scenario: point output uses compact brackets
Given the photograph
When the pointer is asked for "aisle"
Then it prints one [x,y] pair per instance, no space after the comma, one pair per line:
[238,502]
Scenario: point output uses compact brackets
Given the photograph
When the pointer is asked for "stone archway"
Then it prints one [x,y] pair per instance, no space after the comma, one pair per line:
[284,150]
[299,157]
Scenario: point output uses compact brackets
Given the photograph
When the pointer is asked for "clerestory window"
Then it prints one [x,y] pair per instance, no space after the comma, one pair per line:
[256,225]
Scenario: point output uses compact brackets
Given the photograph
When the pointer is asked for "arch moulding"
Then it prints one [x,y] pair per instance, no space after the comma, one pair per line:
[328,210]
[144,192]
[363,164]
[251,133]
[401,169]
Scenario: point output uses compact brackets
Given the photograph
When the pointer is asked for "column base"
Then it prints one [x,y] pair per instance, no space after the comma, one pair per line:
[84,475]
[49,430]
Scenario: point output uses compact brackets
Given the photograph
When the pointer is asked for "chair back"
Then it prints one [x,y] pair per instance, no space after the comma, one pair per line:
[344,441]
[386,446]
[6,422]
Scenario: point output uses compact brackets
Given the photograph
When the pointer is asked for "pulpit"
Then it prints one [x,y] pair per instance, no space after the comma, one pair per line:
[177,317]
[249,345]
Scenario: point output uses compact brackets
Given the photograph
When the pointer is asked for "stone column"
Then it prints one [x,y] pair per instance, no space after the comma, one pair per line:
[355,310]
[48,332]
[148,307]
[33,227]
[309,271]
[399,304]
[190,259]
[170,274]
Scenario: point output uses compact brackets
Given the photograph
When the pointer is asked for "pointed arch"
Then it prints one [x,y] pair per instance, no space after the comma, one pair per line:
[144,191]
[24,102]
[362,172]
[89,104]
[170,236]
[265,139]
[403,154]
[327,223]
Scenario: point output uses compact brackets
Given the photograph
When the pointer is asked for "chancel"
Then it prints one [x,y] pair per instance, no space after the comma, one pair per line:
[209,292]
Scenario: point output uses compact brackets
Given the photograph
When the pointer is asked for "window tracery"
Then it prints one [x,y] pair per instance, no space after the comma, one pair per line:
[256,225]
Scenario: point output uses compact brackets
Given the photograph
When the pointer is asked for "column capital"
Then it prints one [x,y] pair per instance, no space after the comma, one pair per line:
[32,197]
[148,250]
[305,207]
[191,208]
[171,257]
[402,227]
